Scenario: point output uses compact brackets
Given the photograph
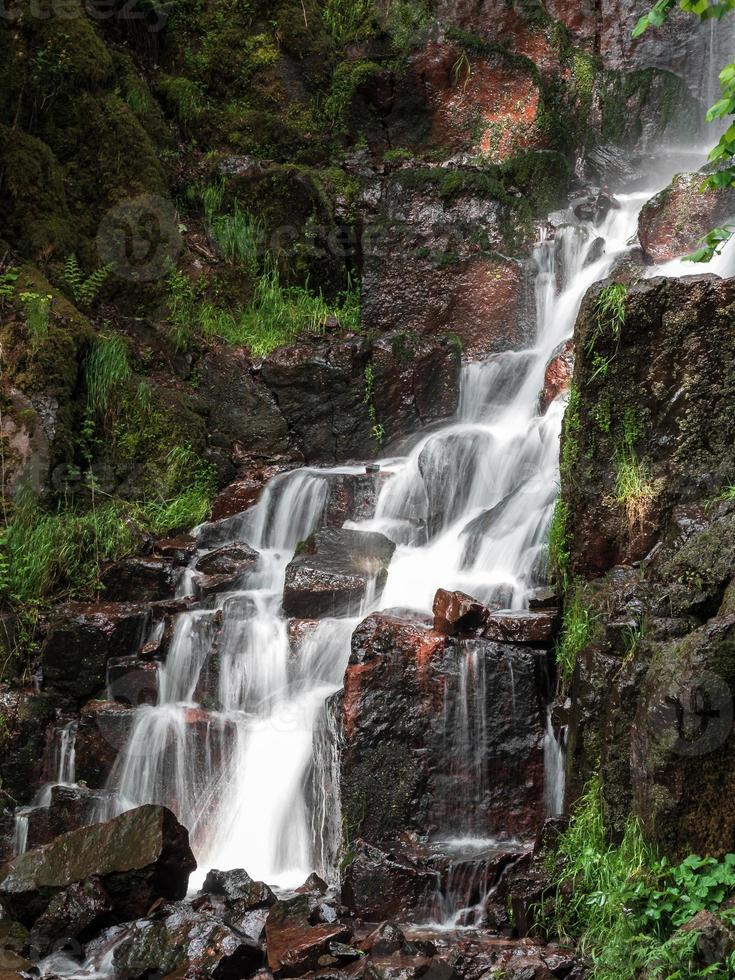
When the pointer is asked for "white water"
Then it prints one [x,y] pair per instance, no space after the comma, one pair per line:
[240,744]
[63,768]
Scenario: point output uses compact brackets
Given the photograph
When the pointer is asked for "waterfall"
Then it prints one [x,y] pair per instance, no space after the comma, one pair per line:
[243,741]
[62,766]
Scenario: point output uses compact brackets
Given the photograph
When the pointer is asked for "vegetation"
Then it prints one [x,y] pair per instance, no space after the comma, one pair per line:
[84,289]
[36,308]
[106,370]
[623,904]
[578,628]
[635,490]
[723,154]
[558,543]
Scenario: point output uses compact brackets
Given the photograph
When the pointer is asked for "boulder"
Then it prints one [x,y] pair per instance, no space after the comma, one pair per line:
[140,579]
[238,886]
[457,614]
[104,729]
[138,857]
[72,913]
[295,942]
[186,944]
[82,638]
[350,497]
[133,681]
[221,570]
[246,488]
[672,222]
[65,808]
[715,939]
[378,885]
[334,570]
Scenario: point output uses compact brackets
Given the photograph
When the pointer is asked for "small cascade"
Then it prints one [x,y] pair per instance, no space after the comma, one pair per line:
[62,766]
[554,773]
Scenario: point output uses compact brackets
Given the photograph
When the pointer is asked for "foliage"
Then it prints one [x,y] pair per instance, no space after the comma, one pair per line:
[106,369]
[239,237]
[635,489]
[558,542]
[377,428]
[610,308]
[723,153]
[8,280]
[577,630]
[84,289]
[405,20]
[623,904]
[348,20]
[36,307]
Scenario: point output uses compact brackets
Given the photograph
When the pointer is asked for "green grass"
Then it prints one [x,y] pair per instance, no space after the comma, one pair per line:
[36,307]
[238,236]
[46,555]
[349,20]
[106,370]
[610,308]
[635,489]
[577,630]
[558,543]
[622,905]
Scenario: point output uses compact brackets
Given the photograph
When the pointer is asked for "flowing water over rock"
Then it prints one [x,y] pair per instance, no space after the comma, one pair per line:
[241,743]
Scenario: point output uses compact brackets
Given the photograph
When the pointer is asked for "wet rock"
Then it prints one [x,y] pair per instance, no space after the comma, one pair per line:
[74,912]
[238,886]
[545,597]
[295,944]
[558,374]
[244,417]
[139,579]
[385,940]
[673,221]
[536,628]
[313,885]
[246,489]
[68,807]
[28,716]
[80,641]
[457,614]
[140,856]
[480,529]
[379,885]
[179,549]
[186,944]
[715,940]
[350,497]
[222,569]
[333,570]
[133,681]
[104,729]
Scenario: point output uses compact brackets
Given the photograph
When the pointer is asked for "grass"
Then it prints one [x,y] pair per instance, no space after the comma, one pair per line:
[577,631]
[106,370]
[622,905]
[349,20]
[558,543]
[48,554]
[635,490]
[238,236]
[610,308]
[36,308]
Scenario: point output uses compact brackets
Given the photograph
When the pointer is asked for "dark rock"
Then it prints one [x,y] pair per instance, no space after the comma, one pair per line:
[80,641]
[534,628]
[238,886]
[350,497]
[313,884]
[246,489]
[68,808]
[715,940]
[140,856]
[104,729]
[333,570]
[139,580]
[379,885]
[544,597]
[222,569]
[458,614]
[179,549]
[294,943]
[185,944]
[385,940]
[71,913]
[132,681]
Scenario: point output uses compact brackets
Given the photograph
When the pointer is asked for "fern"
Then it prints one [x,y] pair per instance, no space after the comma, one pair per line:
[83,290]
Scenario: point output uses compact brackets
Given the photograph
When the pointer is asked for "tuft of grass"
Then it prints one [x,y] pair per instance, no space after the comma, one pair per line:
[36,307]
[106,370]
[239,238]
[577,631]
[635,490]
[558,543]
[349,20]
[610,308]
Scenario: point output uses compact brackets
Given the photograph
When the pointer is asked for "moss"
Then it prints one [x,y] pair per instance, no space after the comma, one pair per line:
[36,216]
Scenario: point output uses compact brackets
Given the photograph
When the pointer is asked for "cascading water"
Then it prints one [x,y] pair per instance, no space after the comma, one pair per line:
[63,767]
[240,743]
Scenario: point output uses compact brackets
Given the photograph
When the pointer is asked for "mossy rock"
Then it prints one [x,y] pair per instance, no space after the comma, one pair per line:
[36,217]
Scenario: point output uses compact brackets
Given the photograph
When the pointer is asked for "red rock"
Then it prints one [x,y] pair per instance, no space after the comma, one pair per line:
[558,375]
[139,579]
[671,222]
[457,614]
[294,944]
[245,491]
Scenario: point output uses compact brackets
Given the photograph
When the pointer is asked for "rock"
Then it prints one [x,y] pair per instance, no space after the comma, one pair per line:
[238,886]
[104,729]
[379,885]
[28,717]
[27,446]
[350,497]
[673,221]
[140,856]
[246,489]
[139,580]
[185,944]
[70,913]
[333,570]
[545,597]
[67,808]
[457,614]
[558,374]
[133,681]
[385,940]
[222,569]
[536,628]
[294,943]
[179,549]
[313,885]
[715,940]
[82,638]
